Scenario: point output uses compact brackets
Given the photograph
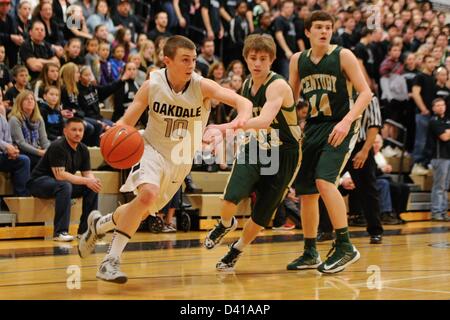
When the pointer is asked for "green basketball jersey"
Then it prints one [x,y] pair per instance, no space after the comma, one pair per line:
[329,93]
[285,122]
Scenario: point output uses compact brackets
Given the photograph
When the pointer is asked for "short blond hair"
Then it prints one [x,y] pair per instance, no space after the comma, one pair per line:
[260,43]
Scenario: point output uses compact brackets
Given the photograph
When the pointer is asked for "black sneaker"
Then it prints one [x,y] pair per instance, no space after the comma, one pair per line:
[390,219]
[215,236]
[325,236]
[229,260]
[339,257]
[377,239]
[358,221]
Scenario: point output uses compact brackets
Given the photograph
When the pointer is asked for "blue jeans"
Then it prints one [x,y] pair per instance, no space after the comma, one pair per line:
[385,195]
[441,181]
[63,191]
[20,171]
[422,122]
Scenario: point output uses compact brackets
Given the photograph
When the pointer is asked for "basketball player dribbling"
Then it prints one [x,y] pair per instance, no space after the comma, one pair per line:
[178,102]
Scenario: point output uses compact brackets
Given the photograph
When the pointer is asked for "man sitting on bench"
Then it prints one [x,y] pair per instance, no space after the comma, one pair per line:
[54,177]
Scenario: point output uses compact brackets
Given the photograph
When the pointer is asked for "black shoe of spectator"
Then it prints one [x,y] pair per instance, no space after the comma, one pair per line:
[325,236]
[359,221]
[390,219]
[377,239]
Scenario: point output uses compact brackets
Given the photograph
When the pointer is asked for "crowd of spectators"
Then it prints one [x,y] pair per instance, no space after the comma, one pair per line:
[63,58]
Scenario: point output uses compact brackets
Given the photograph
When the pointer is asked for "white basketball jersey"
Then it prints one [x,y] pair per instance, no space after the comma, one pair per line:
[176,120]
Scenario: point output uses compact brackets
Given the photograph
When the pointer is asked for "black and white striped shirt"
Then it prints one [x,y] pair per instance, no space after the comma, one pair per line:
[370,118]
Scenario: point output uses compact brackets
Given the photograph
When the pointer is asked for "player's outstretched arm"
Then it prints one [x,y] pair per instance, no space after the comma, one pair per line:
[294,79]
[137,107]
[276,93]
[350,67]
[244,107]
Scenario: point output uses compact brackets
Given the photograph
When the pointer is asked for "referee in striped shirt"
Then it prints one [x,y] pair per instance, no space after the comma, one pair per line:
[362,168]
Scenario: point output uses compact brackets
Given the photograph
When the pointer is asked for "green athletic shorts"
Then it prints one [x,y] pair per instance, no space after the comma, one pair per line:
[320,159]
[270,188]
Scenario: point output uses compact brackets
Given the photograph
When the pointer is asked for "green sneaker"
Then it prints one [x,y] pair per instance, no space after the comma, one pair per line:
[306,261]
[344,254]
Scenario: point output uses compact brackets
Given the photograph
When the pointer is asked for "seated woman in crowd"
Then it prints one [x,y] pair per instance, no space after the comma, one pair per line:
[28,128]
[69,77]
[101,16]
[147,53]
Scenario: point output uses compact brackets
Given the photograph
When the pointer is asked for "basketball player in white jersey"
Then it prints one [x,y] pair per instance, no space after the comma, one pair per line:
[177,99]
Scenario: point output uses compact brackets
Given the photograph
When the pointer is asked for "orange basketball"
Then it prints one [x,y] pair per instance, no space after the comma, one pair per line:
[122,146]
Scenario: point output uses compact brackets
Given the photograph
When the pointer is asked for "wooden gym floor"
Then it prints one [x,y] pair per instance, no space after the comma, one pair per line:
[412,263]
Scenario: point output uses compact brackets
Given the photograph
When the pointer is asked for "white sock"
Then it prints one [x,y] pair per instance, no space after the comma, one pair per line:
[118,243]
[240,245]
[226,223]
[105,224]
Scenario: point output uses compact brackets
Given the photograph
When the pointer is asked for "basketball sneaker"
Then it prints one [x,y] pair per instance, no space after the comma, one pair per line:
[86,245]
[215,236]
[63,236]
[308,260]
[229,260]
[110,271]
[339,257]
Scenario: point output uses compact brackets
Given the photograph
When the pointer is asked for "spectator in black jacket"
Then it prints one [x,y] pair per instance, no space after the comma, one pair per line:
[125,95]
[239,30]
[52,114]
[36,52]
[161,21]
[89,96]
[127,20]
[22,20]
[8,33]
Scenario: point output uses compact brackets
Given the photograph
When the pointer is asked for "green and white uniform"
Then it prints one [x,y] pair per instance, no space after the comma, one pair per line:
[248,176]
[330,96]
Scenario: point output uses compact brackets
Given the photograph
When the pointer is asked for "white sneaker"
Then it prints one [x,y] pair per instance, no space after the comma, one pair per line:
[169,228]
[87,242]
[419,170]
[63,236]
[110,271]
